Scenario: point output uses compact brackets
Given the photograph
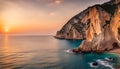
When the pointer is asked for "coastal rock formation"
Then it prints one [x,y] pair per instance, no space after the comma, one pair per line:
[102,38]
[117,1]
[98,24]
[76,27]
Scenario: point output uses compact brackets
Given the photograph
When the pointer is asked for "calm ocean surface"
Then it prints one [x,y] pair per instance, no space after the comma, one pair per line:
[46,52]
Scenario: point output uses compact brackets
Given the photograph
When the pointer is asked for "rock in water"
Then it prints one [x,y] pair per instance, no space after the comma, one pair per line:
[98,24]
[95,64]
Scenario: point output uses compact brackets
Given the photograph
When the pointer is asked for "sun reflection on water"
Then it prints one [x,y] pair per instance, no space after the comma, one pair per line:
[6,40]
[9,55]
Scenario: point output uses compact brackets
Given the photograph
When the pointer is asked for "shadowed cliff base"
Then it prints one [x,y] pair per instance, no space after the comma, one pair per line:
[98,24]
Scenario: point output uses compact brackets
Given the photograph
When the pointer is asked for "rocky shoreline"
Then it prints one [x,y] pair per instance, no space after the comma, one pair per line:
[68,38]
[98,25]
[115,51]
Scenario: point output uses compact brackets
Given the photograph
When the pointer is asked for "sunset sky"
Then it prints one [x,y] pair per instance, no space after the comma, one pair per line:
[39,17]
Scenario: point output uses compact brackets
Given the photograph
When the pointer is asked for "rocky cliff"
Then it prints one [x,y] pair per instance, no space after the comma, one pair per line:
[76,27]
[98,24]
[106,37]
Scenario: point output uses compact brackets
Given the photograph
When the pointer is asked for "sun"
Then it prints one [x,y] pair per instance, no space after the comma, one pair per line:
[6,30]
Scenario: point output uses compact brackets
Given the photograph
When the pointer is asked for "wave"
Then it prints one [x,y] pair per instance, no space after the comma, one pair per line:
[99,62]
[109,59]
[69,51]
[105,63]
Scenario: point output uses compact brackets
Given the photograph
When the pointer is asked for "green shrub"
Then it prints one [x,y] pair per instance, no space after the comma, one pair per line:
[110,8]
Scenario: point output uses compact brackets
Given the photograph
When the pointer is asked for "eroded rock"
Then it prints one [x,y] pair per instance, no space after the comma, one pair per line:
[98,24]
[101,39]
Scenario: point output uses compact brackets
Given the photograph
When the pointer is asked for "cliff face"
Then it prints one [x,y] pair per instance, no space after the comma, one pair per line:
[100,38]
[98,18]
[117,1]
[77,26]
[98,24]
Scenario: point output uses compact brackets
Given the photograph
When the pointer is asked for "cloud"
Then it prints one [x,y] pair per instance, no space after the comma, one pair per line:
[58,1]
[52,13]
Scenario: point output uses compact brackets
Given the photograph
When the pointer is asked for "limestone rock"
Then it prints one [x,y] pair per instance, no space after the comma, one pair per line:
[105,38]
[77,26]
[98,24]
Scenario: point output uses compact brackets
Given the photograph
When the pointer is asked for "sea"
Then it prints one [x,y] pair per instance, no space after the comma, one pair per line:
[47,52]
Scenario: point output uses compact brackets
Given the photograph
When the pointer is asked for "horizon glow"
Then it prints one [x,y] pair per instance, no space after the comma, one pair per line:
[39,17]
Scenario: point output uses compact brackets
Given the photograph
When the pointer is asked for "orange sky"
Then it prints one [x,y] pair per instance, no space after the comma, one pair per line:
[42,17]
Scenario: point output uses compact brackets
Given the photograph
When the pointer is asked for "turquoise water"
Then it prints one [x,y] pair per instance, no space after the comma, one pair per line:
[46,52]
